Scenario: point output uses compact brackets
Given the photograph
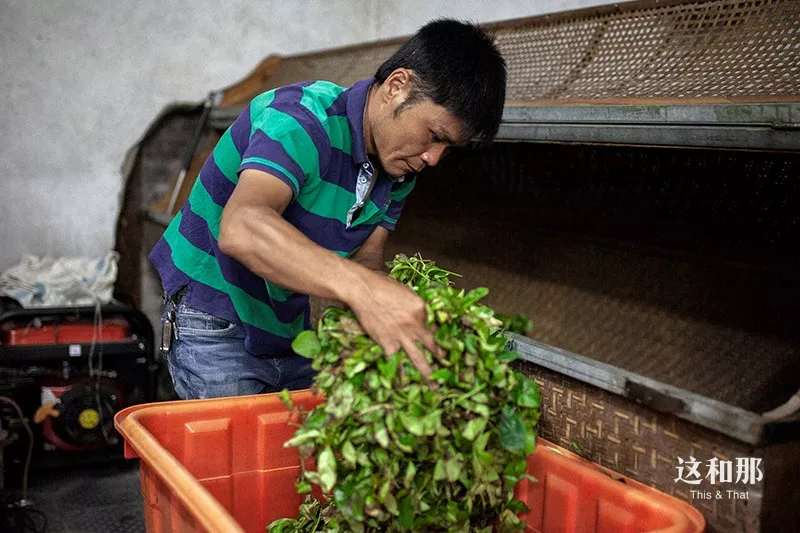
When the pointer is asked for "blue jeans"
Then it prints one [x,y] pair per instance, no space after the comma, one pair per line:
[209,360]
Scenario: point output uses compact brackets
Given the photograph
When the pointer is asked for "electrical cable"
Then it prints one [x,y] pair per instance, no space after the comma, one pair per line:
[97,344]
[103,428]
[27,427]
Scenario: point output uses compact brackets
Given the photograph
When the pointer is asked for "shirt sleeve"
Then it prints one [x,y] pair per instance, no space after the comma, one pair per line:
[281,144]
[397,200]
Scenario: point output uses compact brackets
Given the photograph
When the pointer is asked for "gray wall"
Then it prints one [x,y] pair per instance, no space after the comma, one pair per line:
[80,80]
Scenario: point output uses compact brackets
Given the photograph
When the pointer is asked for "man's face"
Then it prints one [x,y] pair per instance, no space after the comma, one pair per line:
[415,137]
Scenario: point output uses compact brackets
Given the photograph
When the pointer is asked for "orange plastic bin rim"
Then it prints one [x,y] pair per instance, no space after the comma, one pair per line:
[572,494]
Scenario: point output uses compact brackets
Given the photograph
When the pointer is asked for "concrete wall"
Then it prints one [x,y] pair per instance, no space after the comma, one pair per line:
[81,80]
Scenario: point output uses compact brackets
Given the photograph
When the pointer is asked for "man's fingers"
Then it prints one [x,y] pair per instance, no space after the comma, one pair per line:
[435,348]
[418,358]
[414,353]
[429,341]
[390,349]
[412,341]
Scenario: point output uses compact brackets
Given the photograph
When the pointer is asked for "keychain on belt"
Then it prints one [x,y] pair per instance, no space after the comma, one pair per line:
[169,330]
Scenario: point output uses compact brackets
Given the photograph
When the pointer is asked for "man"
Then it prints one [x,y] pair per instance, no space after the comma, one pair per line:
[298,199]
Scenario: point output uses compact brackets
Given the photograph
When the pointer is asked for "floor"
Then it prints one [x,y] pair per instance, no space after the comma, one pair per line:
[103,498]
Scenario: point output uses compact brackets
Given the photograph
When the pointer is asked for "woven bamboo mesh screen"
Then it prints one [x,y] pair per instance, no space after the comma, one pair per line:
[717,49]
[645,445]
[345,66]
[679,264]
[700,49]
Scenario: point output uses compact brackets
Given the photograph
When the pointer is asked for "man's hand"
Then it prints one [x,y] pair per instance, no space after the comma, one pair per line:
[253,232]
[394,317]
[390,312]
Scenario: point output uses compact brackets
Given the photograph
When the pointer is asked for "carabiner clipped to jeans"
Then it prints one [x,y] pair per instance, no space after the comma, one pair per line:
[168,329]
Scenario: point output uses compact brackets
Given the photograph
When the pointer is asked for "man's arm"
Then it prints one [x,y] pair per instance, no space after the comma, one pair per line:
[371,253]
[254,232]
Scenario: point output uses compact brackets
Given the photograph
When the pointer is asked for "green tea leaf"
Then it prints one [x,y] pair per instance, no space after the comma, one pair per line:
[470,343]
[474,428]
[442,375]
[286,399]
[379,456]
[510,521]
[431,422]
[326,464]
[303,487]
[452,468]
[406,518]
[386,486]
[391,504]
[480,443]
[512,432]
[481,409]
[480,455]
[341,404]
[527,394]
[363,459]
[411,471]
[517,507]
[315,419]
[352,367]
[507,356]
[306,344]
[301,437]
[388,368]
[475,295]
[382,436]
[439,472]
[515,470]
[412,423]
[490,474]
[414,392]
[349,453]
[373,381]
[530,442]
[283,525]
[481,397]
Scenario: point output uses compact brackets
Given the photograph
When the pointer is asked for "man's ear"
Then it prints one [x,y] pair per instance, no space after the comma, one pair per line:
[397,86]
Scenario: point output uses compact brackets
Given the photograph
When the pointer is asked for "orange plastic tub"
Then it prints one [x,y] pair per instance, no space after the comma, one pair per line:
[219,466]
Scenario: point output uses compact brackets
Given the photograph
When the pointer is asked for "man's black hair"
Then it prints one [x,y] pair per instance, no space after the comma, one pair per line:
[457,66]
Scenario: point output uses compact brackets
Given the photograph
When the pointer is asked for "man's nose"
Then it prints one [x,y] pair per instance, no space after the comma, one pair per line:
[432,155]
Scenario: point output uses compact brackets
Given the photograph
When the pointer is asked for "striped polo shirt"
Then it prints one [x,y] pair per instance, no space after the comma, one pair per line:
[311,137]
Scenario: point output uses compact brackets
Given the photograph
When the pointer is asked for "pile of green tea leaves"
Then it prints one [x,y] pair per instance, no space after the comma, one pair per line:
[396,452]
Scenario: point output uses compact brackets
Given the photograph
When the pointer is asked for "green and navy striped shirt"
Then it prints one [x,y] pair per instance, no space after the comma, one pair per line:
[310,136]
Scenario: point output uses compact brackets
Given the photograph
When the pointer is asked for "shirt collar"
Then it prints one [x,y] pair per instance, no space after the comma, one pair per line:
[356,104]
[356,107]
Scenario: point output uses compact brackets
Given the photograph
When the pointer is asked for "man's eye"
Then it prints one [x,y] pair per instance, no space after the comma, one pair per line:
[435,138]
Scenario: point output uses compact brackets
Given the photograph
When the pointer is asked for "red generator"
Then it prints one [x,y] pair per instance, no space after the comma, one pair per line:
[78,415]
[79,367]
